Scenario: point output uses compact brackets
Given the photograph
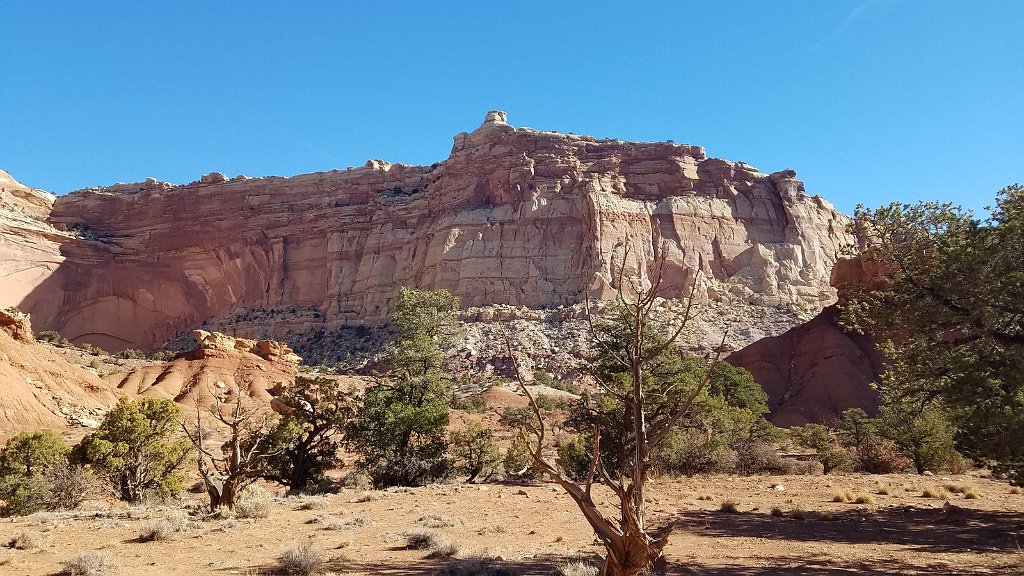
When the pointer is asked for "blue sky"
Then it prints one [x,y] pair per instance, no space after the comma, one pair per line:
[869,101]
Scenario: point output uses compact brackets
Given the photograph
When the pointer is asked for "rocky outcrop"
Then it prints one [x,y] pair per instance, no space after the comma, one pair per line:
[222,366]
[39,388]
[266,349]
[514,216]
[817,370]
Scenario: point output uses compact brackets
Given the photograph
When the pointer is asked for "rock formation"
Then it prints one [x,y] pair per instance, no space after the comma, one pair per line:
[39,388]
[514,216]
[815,371]
[220,366]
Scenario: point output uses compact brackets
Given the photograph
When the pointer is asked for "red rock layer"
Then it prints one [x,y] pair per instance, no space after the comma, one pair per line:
[513,216]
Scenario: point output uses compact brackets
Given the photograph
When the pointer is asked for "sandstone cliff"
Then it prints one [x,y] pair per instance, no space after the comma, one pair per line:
[514,216]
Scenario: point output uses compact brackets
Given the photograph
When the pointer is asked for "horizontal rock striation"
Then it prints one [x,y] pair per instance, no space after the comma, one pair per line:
[514,216]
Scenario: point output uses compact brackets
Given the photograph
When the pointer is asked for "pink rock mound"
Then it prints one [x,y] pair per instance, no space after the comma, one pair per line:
[39,388]
[222,366]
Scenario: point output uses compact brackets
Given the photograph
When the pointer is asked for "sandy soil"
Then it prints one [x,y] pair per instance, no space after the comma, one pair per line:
[535,528]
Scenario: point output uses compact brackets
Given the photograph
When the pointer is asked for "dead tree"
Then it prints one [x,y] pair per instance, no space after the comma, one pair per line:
[631,545]
[237,464]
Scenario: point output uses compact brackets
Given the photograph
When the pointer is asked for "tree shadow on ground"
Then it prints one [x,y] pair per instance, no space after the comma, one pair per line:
[922,530]
[804,565]
[540,565]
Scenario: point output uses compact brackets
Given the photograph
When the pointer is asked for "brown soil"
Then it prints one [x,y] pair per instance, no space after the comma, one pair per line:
[535,528]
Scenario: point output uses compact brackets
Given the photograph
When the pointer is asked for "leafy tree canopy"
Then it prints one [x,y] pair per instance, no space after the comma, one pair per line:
[948,307]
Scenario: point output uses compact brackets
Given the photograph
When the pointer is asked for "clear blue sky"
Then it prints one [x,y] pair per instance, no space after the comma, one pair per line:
[869,101]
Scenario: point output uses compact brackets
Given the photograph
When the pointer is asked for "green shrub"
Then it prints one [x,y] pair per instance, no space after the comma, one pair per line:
[475,451]
[138,448]
[686,453]
[518,462]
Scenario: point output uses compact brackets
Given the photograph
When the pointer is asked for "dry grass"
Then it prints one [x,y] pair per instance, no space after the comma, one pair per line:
[315,503]
[730,507]
[438,545]
[88,564]
[438,521]
[576,568]
[302,560]
[158,530]
[25,541]
[957,487]
[1016,490]
[349,523]
[253,502]
[864,499]
[368,496]
[777,512]
[842,497]
[884,491]
[935,492]
[476,567]
[972,493]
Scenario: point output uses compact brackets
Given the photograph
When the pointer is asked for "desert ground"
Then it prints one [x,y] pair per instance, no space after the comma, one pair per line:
[786,525]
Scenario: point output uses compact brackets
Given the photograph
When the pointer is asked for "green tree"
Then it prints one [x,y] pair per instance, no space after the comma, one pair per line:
[26,463]
[635,362]
[235,463]
[137,448]
[726,412]
[832,455]
[922,433]
[947,305]
[305,442]
[399,427]
[475,451]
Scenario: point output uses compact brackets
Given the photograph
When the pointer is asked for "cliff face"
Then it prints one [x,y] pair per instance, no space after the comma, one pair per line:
[513,216]
[815,371]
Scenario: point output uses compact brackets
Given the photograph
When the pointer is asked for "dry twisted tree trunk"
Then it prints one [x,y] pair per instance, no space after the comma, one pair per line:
[631,546]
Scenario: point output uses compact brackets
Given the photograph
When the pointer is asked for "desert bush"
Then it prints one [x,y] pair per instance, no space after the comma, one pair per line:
[253,502]
[833,457]
[94,350]
[349,523]
[314,503]
[1016,490]
[864,499]
[475,451]
[25,541]
[367,496]
[437,521]
[302,560]
[356,479]
[474,404]
[51,336]
[32,467]
[842,497]
[879,456]
[158,530]
[420,539]
[131,354]
[443,547]
[730,507]
[437,544]
[87,564]
[934,492]
[517,462]
[688,454]
[760,458]
[777,512]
